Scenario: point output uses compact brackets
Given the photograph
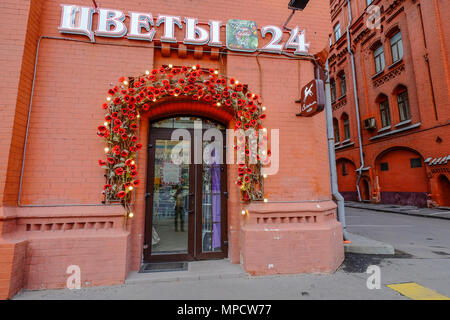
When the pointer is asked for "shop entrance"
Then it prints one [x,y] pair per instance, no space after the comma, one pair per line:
[186,201]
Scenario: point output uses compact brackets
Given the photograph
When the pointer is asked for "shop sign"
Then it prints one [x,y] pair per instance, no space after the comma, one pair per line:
[312,99]
[241,35]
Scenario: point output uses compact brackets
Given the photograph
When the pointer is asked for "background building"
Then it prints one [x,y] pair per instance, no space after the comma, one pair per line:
[402,81]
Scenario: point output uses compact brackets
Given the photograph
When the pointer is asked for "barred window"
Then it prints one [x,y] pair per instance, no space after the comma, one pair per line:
[385,114]
[337,137]
[343,84]
[337,32]
[333,90]
[346,126]
[403,106]
[378,55]
[397,47]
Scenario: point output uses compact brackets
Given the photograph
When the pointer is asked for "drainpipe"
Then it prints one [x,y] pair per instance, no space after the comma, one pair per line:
[355,92]
[332,156]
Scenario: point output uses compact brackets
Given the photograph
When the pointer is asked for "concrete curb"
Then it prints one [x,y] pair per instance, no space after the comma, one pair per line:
[363,245]
[437,213]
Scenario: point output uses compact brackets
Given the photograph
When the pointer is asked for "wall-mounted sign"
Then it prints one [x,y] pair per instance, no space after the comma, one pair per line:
[241,35]
[312,99]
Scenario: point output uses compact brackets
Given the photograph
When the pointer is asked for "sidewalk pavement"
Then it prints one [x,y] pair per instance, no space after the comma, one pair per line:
[441,213]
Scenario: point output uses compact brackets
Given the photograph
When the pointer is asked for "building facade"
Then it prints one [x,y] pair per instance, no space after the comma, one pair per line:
[69,67]
[398,99]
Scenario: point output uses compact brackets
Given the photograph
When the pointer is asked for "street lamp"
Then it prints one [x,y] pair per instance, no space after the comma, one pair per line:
[295,5]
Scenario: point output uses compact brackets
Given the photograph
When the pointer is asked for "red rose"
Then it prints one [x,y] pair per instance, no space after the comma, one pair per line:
[136,183]
[262,117]
[134,126]
[116,150]
[119,171]
[105,106]
[101,163]
[101,128]
[139,146]
[111,160]
[124,153]
[121,194]
[117,100]
[145,107]
[128,162]
[133,173]
[134,138]
[106,187]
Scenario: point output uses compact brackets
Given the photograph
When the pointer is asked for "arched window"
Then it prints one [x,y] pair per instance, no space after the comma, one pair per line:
[342,83]
[385,114]
[403,103]
[378,56]
[346,122]
[337,137]
[333,90]
[396,47]
[337,32]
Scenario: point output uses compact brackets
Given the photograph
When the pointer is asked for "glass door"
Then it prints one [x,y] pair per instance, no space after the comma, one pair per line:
[170,199]
[186,202]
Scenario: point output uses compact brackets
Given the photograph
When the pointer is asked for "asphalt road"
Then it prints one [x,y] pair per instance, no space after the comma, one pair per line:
[423,256]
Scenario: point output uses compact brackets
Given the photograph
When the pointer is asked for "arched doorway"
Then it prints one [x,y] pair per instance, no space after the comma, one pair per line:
[347,177]
[365,189]
[444,191]
[186,197]
[402,177]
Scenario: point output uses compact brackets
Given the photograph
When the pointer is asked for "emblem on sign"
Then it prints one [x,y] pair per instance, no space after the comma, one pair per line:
[312,98]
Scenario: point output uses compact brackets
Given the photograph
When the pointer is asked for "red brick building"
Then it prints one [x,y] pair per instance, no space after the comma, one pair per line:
[59,63]
[401,52]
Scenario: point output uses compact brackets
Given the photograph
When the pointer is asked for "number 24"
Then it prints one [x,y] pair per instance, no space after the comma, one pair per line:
[296,40]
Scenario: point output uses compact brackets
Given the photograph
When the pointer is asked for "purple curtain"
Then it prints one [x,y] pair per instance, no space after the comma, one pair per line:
[215,176]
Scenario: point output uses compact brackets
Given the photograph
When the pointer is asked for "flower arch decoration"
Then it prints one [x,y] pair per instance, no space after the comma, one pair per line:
[134,96]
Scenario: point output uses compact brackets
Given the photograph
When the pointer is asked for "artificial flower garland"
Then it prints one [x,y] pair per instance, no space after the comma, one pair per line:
[135,96]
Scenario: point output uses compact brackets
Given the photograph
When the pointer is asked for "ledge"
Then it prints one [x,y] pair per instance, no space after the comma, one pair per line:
[378,74]
[64,212]
[403,123]
[396,131]
[291,207]
[345,145]
[384,129]
[395,63]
